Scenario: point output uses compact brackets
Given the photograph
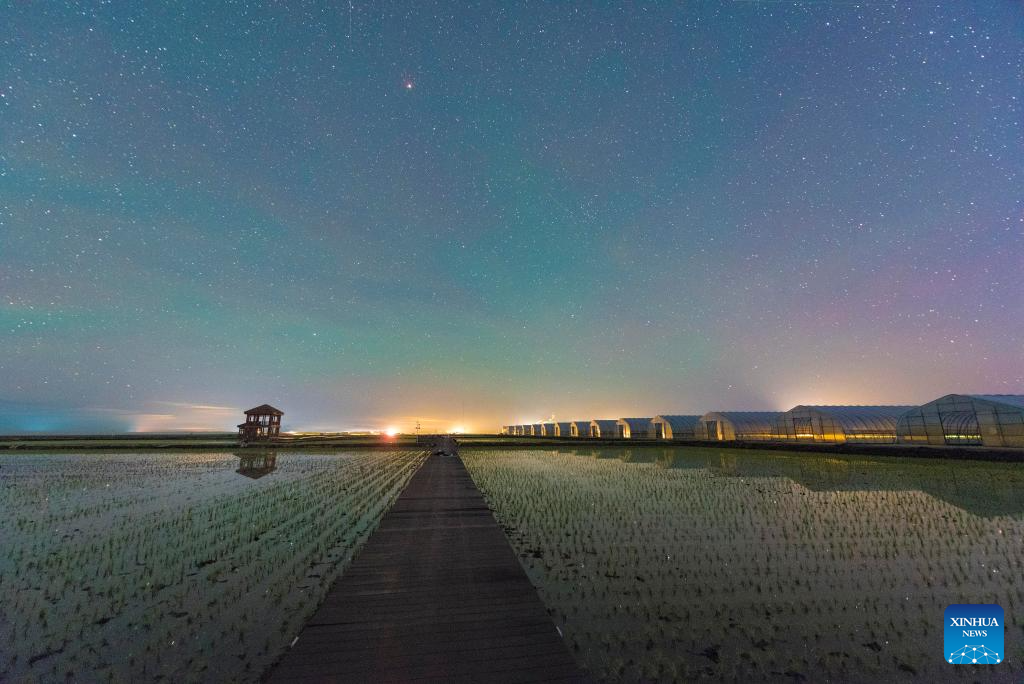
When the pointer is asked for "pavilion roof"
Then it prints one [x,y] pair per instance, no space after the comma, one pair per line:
[264,410]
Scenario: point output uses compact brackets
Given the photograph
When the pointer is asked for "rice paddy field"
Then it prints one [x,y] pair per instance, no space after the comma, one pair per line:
[706,564]
[176,566]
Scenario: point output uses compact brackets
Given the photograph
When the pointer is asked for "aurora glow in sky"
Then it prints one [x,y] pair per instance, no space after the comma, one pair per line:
[368,214]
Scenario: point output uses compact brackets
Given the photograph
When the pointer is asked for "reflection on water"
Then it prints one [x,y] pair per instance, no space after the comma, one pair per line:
[982,488]
[256,464]
[637,456]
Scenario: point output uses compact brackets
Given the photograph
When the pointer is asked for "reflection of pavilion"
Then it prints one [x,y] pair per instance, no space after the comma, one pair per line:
[257,464]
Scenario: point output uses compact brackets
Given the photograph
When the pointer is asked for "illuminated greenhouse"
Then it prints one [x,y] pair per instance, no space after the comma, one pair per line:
[563,430]
[537,430]
[547,430]
[836,424]
[579,428]
[604,429]
[633,428]
[728,426]
[992,420]
[673,427]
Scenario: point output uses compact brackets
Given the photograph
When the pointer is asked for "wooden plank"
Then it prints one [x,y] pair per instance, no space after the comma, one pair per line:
[436,595]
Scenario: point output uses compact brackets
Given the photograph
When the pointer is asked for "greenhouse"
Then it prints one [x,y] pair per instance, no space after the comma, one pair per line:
[547,430]
[537,430]
[579,428]
[993,420]
[634,428]
[604,429]
[836,424]
[563,430]
[673,427]
[728,426]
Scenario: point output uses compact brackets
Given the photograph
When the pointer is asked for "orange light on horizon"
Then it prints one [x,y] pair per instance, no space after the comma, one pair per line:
[391,431]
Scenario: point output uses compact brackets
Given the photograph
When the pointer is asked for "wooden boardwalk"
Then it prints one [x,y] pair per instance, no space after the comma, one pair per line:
[437,594]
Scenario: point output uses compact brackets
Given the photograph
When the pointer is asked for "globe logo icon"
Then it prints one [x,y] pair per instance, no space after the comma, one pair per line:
[974,655]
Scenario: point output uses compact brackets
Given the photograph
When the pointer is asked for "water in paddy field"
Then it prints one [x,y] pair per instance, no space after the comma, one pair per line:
[184,566]
[693,564]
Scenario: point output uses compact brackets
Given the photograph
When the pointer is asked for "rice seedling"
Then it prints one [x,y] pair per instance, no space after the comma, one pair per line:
[760,566]
[172,565]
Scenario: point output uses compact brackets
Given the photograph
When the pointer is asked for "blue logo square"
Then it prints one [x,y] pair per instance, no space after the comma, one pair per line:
[974,634]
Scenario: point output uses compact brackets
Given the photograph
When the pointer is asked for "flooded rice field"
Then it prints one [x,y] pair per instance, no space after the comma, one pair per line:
[705,564]
[176,566]
[655,564]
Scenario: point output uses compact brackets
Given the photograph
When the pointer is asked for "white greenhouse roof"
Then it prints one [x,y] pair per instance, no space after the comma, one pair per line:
[1015,400]
[685,422]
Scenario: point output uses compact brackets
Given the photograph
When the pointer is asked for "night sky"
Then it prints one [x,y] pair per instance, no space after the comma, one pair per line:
[366,214]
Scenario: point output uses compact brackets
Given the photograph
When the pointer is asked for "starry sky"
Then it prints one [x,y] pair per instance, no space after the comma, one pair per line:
[369,214]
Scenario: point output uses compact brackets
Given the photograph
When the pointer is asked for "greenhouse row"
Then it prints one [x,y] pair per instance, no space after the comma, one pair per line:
[992,420]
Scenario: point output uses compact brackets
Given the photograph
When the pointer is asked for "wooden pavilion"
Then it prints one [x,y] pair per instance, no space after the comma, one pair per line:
[261,423]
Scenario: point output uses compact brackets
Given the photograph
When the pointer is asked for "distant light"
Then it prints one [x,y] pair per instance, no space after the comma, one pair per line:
[408,85]
[391,431]
[458,430]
